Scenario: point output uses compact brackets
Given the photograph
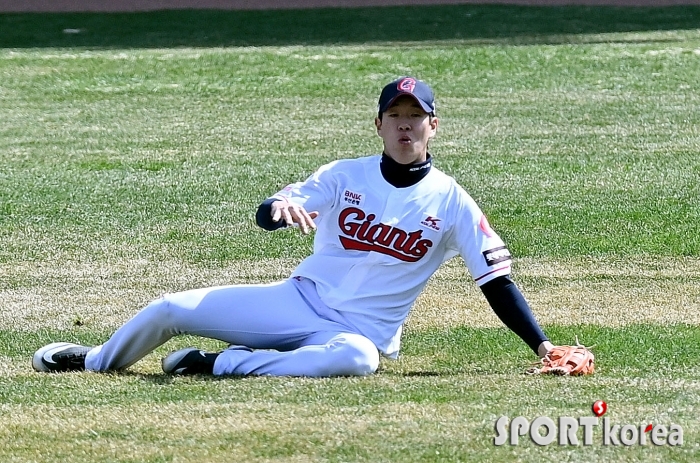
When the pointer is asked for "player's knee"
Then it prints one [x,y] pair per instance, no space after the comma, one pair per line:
[162,310]
[365,363]
[355,355]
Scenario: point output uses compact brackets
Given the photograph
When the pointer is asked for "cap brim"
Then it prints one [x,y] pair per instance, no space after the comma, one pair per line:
[426,107]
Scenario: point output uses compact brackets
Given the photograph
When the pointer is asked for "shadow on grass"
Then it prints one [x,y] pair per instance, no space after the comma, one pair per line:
[166,378]
[469,350]
[207,28]
[475,351]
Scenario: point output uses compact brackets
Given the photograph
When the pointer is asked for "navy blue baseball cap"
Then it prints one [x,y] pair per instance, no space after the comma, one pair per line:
[418,89]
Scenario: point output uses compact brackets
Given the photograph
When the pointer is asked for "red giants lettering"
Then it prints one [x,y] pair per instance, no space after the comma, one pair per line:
[363,235]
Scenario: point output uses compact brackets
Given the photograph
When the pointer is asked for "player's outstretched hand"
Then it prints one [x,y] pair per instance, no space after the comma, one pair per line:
[294,214]
[566,360]
[544,347]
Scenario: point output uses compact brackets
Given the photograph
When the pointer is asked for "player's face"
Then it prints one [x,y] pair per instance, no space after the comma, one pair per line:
[406,129]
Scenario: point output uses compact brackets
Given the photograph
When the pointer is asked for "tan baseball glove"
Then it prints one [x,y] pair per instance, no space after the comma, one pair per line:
[566,360]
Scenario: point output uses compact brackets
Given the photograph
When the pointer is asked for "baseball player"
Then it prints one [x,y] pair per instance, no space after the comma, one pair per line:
[383,225]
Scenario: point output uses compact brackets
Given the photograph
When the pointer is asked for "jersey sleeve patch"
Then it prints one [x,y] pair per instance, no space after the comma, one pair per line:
[496,255]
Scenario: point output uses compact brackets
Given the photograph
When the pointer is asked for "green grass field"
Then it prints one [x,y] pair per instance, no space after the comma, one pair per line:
[134,153]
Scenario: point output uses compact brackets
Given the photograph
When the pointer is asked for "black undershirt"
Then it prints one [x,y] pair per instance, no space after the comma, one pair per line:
[404,175]
[502,294]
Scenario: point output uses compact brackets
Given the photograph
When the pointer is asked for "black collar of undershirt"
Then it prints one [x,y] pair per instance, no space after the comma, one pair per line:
[404,175]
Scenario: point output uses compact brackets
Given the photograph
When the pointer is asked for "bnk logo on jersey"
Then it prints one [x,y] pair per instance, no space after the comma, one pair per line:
[352,197]
[496,255]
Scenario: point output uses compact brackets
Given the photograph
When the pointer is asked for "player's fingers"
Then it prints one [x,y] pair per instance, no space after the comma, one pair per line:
[276,213]
[287,216]
[313,214]
[293,214]
[299,215]
[308,219]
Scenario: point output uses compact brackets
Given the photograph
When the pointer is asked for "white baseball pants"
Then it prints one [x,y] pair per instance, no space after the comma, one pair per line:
[292,331]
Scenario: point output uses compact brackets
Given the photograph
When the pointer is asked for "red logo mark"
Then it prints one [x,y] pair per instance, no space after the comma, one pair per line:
[648,428]
[599,408]
[380,237]
[431,222]
[407,84]
[486,227]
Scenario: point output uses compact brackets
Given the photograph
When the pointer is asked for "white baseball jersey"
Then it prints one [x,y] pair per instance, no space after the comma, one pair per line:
[376,245]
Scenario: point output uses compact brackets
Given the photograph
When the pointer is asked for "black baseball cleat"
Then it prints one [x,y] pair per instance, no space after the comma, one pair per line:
[60,356]
[189,361]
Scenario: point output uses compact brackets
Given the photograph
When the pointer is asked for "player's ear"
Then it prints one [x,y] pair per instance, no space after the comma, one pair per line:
[434,122]
[378,124]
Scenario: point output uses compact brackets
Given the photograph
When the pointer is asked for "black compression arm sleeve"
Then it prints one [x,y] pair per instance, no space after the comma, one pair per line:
[511,307]
[263,216]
